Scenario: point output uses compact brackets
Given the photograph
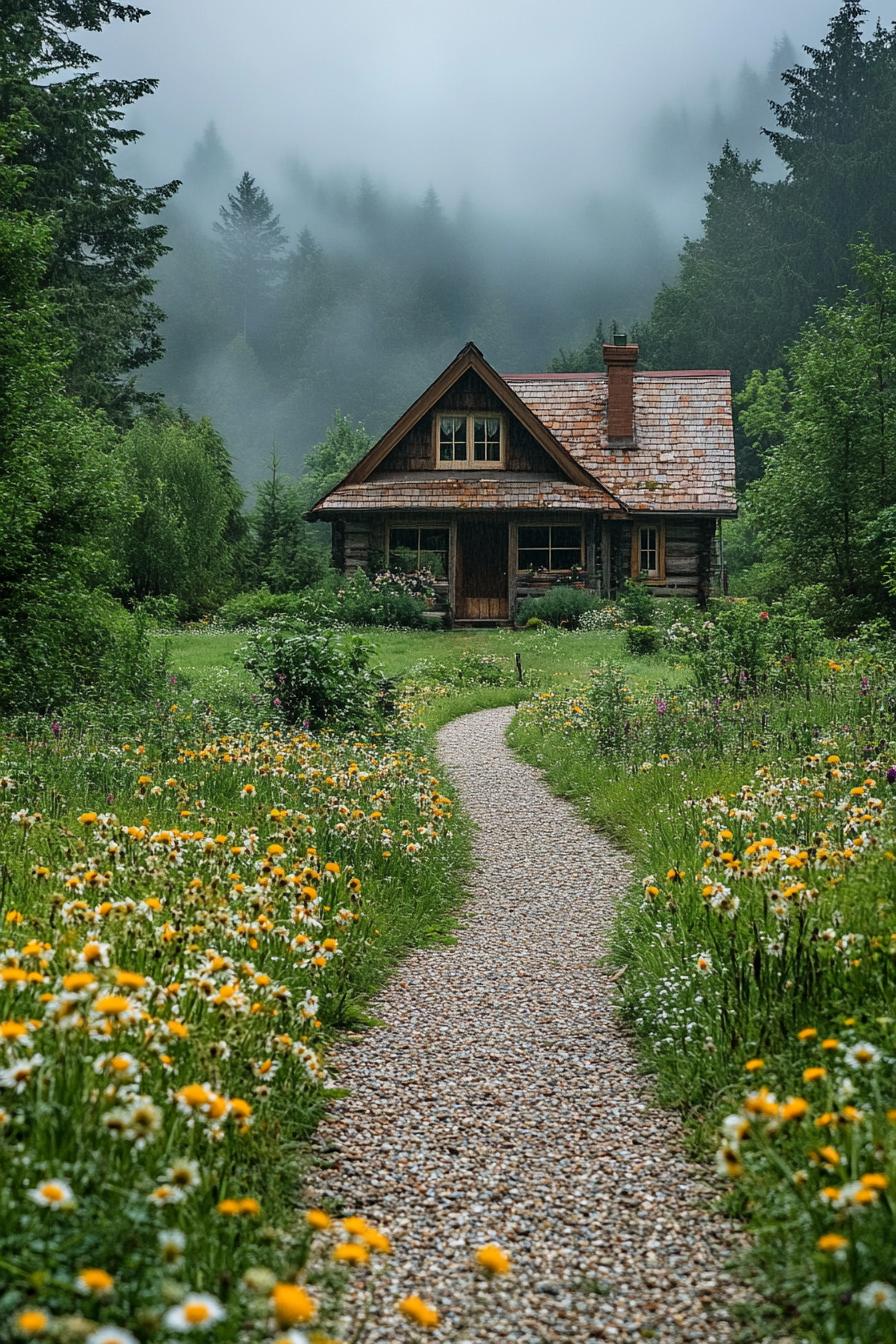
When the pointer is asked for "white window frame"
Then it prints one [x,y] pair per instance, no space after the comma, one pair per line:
[470,463]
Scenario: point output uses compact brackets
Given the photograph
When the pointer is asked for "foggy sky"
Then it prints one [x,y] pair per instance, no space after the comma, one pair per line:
[517,102]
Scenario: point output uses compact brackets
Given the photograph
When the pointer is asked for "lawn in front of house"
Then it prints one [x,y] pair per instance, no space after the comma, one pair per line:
[551,659]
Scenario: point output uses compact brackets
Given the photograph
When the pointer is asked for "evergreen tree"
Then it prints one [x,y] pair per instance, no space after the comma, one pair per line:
[251,241]
[209,167]
[103,250]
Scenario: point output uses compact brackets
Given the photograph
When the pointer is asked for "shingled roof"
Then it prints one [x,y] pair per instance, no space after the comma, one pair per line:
[437,490]
[681,458]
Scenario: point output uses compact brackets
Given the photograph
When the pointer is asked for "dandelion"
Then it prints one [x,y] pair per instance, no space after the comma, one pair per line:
[832,1242]
[418,1311]
[198,1311]
[753,1065]
[96,1281]
[317,1219]
[32,1321]
[292,1305]
[350,1253]
[492,1259]
[53,1194]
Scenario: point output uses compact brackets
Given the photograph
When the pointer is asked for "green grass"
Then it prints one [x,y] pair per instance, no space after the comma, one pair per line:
[551,660]
[807,944]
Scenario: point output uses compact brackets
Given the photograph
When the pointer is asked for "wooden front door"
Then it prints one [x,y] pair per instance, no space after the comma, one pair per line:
[481,577]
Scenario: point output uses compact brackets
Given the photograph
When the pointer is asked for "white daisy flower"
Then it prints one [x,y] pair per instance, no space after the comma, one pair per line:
[198,1311]
[878,1296]
[53,1194]
[111,1334]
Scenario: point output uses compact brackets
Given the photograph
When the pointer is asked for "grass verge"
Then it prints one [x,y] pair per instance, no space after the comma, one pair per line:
[190,914]
[758,954]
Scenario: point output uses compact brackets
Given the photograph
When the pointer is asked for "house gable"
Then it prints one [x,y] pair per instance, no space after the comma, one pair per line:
[470,358]
[415,451]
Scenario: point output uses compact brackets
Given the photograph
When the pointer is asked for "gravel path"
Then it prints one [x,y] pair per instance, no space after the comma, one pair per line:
[501,1102]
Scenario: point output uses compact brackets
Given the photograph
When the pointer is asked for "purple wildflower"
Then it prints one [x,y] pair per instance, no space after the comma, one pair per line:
[56,728]
[891,775]
[661,706]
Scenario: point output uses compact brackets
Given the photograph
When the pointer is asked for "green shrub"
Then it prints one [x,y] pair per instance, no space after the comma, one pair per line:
[470,669]
[635,603]
[249,609]
[317,678]
[642,639]
[608,700]
[732,654]
[76,646]
[390,600]
[562,606]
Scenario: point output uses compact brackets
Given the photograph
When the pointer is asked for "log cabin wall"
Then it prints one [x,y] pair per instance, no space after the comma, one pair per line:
[416,451]
[689,544]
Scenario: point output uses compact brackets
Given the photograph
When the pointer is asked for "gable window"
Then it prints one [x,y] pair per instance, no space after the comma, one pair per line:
[649,551]
[414,548]
[473,440]
[550,548]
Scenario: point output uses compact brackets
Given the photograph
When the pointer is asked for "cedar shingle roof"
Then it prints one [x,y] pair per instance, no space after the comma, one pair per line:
[467,490]
[682,459]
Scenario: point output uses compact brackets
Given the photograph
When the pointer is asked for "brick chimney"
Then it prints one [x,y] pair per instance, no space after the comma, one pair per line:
[620,359]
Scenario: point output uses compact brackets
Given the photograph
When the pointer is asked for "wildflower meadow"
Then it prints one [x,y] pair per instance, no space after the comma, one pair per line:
[756,955]
[187,917]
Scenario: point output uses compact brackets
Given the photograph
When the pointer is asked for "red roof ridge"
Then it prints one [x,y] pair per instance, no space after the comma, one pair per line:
[639,373]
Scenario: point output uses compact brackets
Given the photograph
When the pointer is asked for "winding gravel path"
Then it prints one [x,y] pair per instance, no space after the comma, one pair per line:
[502,1102]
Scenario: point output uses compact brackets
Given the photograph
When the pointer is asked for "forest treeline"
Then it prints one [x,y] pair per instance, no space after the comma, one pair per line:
[288,293]
[113,498]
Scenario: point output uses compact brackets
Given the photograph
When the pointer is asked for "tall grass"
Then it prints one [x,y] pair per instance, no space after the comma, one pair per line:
[757,951]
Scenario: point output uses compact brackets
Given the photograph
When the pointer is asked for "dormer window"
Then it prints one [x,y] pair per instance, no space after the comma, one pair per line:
[473,440]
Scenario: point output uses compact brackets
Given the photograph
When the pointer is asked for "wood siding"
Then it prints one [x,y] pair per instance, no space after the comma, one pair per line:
[691,554]
[416,451]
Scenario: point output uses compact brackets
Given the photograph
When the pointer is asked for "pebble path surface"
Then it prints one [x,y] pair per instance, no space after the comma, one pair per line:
[501,1101]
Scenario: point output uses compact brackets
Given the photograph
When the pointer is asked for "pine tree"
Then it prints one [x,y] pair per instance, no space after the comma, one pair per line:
[99,268]
[251,241]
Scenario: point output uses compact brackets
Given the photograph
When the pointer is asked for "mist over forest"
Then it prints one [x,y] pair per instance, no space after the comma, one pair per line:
[369,286]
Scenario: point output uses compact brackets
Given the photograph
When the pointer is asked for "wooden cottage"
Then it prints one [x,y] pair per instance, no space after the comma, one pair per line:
[503,485]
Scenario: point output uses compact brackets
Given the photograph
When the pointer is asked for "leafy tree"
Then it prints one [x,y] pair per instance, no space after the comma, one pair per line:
[103,249]
[825,427]
[61,490]
[251,241]
[187,537]
[343,446]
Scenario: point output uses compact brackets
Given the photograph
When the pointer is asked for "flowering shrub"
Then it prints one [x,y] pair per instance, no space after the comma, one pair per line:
[193,915]
[743,649]
[605,617]
[314,678]
[563,606]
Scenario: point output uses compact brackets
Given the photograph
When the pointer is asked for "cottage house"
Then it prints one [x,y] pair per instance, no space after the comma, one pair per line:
[503,485]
